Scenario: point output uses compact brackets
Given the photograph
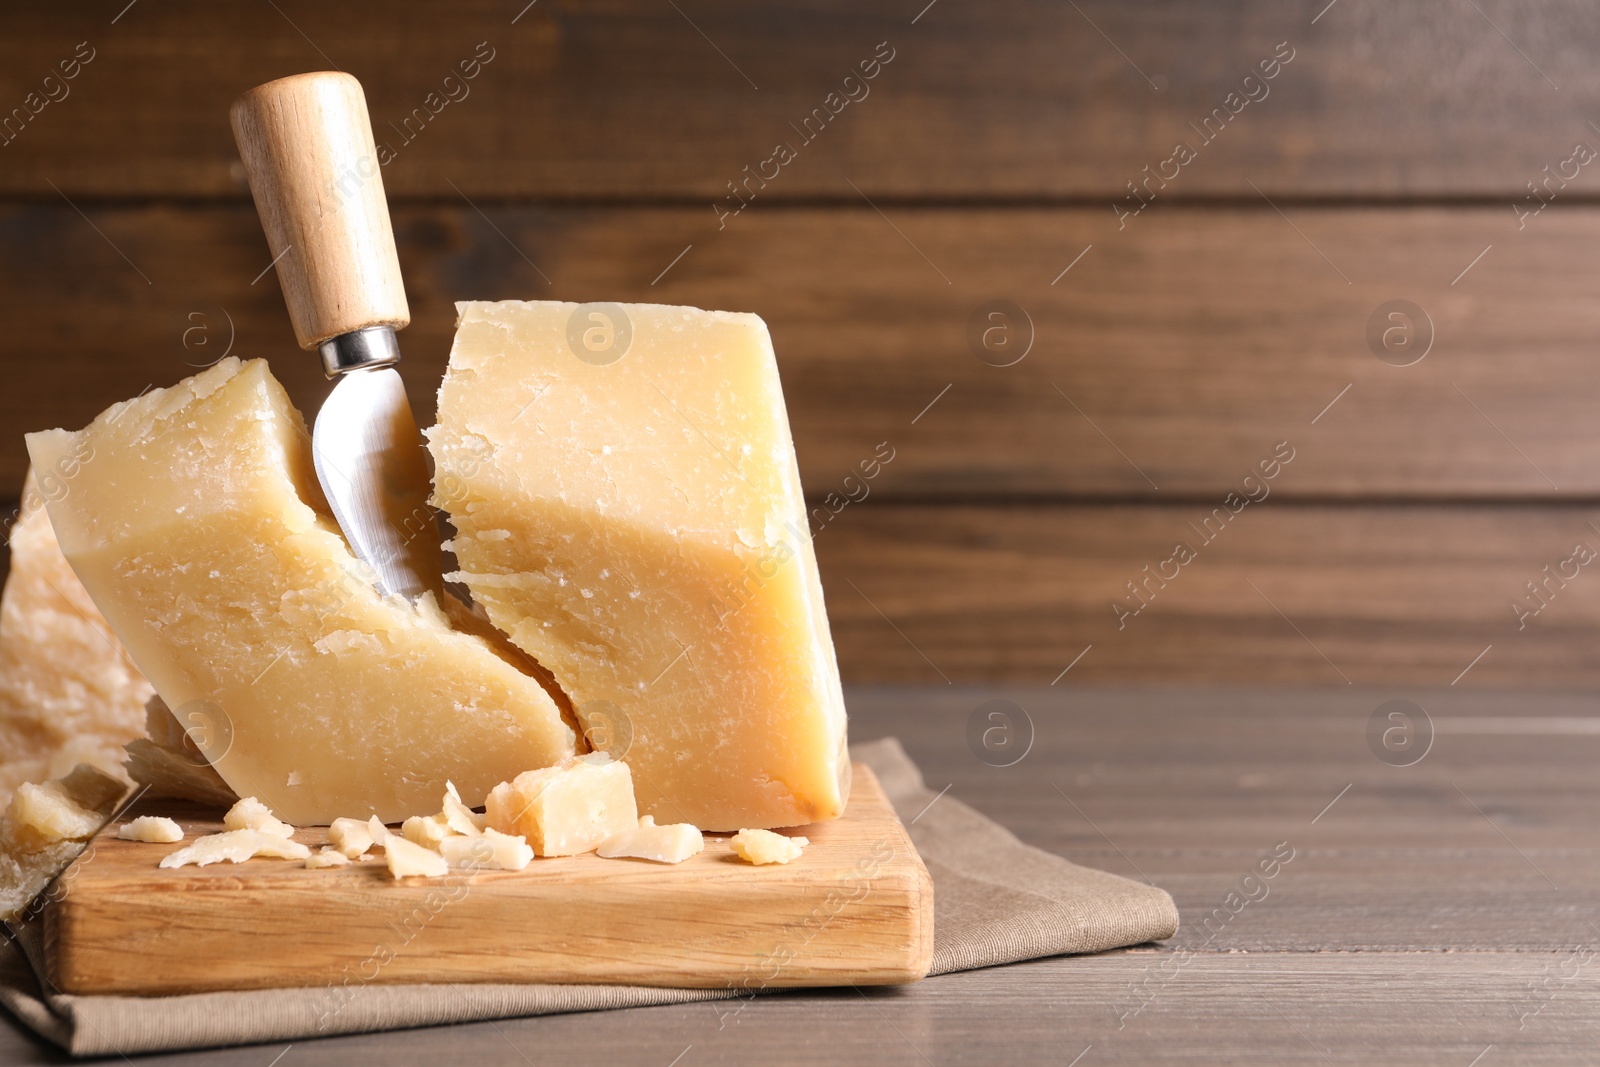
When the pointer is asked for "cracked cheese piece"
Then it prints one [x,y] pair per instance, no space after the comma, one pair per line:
[46,826]
[647,841]
[235,846]
[761,847]
[69,694]
[251,814]
[568,809]
[151,829]
[491,851]
[636,525]
[198,528]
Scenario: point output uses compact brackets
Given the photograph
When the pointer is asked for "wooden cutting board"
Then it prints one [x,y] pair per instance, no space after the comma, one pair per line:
[856,908]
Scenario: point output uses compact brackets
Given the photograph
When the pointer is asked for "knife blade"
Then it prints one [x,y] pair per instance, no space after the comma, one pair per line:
[370,461]
[307,148]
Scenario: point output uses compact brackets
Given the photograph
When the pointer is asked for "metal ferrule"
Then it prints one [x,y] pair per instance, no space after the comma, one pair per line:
[375,346]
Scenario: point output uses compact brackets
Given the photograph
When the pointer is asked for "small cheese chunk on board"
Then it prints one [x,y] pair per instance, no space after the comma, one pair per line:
[855,908]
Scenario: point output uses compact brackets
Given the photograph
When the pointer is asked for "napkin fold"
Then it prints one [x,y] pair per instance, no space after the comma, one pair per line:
[996,900]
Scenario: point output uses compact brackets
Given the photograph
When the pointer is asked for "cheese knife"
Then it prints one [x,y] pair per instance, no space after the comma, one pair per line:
[307,147]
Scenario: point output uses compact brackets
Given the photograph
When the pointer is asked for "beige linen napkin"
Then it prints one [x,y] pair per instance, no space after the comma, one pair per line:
[996,900]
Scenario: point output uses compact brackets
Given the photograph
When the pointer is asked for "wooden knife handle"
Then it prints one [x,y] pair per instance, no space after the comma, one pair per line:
[306,143]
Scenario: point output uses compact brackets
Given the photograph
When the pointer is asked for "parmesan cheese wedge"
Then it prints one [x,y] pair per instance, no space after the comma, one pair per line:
[628,508]
[69,694]
[200,531]
[235,846]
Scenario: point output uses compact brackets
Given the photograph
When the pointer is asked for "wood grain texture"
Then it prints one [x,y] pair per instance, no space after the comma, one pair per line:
[1377,594]
[1285,594]
[1024,98]
[1409,927]
[306,143]
[860,893]
[1175,354]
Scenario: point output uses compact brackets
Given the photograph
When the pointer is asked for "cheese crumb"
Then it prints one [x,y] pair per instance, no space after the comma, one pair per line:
[763,846]
[153,829]
[326,857]
[661,844]
[251,814]
[459,817]
[407,859]
[235,846]
[33,845]
[426,830]
[492,850]
[352,837]
[46,813]
[567,809]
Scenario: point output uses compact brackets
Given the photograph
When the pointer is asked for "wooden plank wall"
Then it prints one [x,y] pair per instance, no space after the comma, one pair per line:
[1175,317]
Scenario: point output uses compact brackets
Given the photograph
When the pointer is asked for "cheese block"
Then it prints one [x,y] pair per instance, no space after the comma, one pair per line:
[568,809]
[200,532]
[69,694]
[628,508]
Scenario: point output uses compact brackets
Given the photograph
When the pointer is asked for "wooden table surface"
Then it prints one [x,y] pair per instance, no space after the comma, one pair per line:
[1443,912]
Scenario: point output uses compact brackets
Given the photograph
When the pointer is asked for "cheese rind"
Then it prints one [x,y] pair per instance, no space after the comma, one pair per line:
[69,694]
[637,526]
[567,809]
[200,531]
